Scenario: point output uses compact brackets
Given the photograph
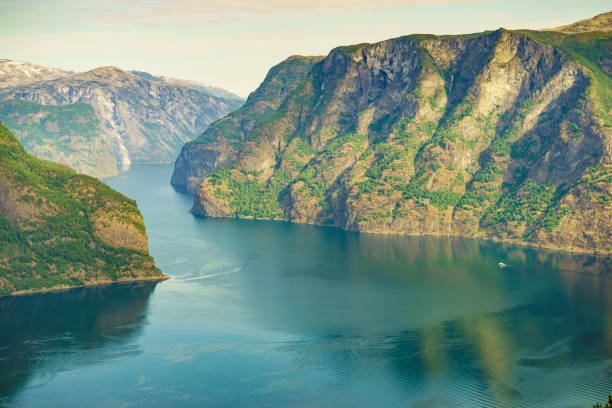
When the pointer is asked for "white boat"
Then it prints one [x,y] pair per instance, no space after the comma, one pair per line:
[502,265]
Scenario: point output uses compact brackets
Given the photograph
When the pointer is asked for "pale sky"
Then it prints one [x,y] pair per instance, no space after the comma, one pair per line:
[232,44]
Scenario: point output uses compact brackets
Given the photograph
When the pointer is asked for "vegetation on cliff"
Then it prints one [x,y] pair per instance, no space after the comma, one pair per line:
[502,134]
[68,134]
[60,229]
[219,145]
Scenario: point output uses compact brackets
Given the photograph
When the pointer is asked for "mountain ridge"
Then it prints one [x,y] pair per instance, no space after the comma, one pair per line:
[601,22]
[141,121]
[206,88]
[504,134]
[14,73]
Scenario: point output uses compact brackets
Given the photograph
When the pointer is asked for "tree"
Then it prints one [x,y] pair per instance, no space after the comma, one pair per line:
[608,404]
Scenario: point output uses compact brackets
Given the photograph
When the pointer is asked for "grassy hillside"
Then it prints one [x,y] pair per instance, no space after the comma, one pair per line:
[60,229]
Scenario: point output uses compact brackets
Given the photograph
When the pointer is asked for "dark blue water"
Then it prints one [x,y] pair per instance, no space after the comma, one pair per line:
[273,314]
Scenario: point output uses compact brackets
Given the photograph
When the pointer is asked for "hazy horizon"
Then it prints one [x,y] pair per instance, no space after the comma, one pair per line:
[233,45]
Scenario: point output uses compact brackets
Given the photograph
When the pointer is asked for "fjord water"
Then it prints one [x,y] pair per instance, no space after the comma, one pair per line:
[272,314]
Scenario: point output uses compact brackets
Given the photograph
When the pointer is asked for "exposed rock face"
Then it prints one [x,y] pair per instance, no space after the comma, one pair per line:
[219,145]
[504,135]
[142,121]
[59,229]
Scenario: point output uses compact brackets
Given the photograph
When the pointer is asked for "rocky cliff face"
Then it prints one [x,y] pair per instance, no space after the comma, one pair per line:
[220,144]
[59,229]
[505,135]
[142,121]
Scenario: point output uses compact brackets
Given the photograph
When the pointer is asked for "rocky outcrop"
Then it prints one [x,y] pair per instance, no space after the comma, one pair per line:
[59,229]
[142,121]
[504,135]
[219,145]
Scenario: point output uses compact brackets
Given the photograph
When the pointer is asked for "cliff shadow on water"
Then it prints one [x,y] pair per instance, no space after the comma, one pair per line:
[43,335]
[427,315]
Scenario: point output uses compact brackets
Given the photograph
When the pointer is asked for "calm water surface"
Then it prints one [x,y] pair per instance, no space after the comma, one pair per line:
[273,314]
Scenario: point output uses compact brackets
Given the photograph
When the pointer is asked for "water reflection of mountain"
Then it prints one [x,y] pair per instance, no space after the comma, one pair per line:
[557,331]
[329,280]
[41,335]
[437,316]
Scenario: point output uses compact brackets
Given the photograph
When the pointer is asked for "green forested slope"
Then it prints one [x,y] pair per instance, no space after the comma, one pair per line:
[60,229]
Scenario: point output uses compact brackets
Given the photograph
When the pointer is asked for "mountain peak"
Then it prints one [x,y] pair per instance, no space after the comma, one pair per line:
[15,73]
[601,22]
[104,73]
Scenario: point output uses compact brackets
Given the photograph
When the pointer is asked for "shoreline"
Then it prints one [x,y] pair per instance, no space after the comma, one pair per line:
[573,251]
[57,289]
[569,251]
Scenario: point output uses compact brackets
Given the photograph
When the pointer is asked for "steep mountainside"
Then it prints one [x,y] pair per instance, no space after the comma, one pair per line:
[503,134]
[15,73]
[59,229]
[205,88]
[219,145]
[68,134]
[142,121]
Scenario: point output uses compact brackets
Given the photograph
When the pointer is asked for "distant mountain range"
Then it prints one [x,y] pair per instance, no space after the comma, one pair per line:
[68,134]
[504,134]
[131,118]
[205,88]
[15,73]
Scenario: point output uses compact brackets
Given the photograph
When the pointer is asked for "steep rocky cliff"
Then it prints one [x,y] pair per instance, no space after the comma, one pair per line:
[141,120]
[59,229]
[219,145]
[502,134]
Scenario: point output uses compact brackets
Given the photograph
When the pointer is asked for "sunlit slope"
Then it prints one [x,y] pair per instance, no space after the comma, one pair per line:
[502,134]
[60,229]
